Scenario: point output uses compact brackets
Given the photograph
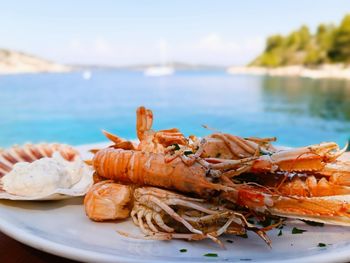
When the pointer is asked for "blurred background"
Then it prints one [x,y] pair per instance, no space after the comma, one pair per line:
[252,68]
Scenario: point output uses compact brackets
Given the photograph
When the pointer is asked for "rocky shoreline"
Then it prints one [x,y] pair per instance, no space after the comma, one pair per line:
[13,62]
[338,71]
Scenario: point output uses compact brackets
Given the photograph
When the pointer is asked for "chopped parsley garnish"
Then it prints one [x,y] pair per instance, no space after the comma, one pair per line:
[229,241]
[243,236]
[321,245]
[188,152]
[183,250]
[213,255]
[312,223]
[281,226]
[297,231]
[176,147]
[280,233]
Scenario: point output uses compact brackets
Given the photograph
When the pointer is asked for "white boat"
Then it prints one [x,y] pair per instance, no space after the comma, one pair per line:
[159,71]
[87,75]
[163,68]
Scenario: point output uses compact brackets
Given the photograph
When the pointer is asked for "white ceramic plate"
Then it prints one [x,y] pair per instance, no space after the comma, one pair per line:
[61,228]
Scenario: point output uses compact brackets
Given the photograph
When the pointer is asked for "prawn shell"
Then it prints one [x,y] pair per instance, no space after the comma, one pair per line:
[333,210]
[107,200]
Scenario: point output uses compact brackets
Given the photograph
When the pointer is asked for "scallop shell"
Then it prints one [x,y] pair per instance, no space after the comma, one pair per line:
[29,153]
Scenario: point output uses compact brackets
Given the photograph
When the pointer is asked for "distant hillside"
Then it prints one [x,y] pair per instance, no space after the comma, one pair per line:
[179,66]
[12,62]
[142,67]
[329,44]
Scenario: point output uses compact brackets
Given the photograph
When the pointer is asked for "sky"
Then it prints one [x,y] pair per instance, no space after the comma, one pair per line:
[118,33]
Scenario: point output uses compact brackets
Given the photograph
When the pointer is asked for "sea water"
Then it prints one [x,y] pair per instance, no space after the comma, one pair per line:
[72,109]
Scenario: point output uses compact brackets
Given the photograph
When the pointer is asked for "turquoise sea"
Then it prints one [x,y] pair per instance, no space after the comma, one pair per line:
[67,108]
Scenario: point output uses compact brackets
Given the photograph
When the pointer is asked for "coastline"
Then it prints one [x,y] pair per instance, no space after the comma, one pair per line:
[27,70]
[336,71]
[13,62]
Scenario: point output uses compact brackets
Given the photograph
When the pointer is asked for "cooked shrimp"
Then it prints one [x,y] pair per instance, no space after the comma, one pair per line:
[107,200]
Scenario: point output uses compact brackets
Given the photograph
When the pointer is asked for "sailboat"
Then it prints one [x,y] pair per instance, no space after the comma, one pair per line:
[158,71]
[87,74]
[164,68]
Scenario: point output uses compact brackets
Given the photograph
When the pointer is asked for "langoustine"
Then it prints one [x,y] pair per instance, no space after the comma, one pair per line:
[190,168]
[165,215]
[142,168]
[107,200]
[219,149]
[217,145]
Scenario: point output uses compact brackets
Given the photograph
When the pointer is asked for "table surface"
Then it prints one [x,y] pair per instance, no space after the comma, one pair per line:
[14,251]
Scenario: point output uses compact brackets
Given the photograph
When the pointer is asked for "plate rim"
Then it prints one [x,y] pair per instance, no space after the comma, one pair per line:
[335,255]
[56,248]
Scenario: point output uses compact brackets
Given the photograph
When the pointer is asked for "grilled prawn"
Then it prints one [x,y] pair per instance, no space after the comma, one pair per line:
[143,168]
[165,215]
[167,159]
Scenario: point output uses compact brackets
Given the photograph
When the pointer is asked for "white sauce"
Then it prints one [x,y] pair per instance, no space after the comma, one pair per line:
[42,177]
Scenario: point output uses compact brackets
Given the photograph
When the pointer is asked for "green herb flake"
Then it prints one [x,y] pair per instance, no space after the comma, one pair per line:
[312,223]
[321,245]
[212,255]
[188,152]
[297,231]
[229,241]
[243,236]
[183,250]
[280,233]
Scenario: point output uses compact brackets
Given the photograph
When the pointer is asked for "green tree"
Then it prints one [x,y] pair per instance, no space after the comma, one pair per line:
[314,57]
[273,42]
[317,51]
[292,41]
[304,37]
[340,50]
[324,36]
[271,59]
[300,47]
